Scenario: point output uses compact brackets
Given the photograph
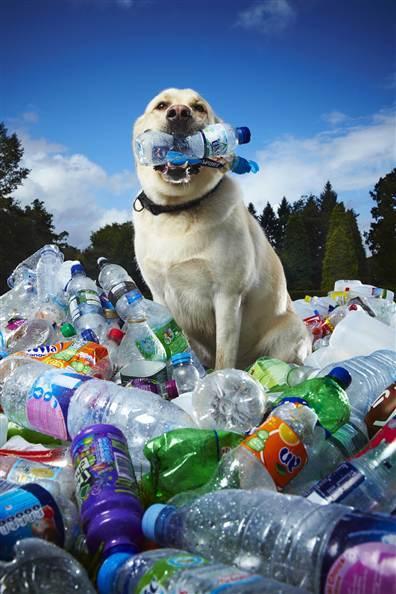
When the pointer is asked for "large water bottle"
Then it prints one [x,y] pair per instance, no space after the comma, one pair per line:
[106,490]
[284,537]
[39,566]
[370,375]
[229,399]
[51,259]
[216,140]
[366,481]
[34,511]
[141,415]
[21,471]
[84,303]
[170,571]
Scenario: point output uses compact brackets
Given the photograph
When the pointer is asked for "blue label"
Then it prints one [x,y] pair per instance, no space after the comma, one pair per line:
[335,487]
[28,511]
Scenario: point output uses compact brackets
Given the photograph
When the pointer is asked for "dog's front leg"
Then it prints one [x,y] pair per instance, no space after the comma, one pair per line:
[228,325]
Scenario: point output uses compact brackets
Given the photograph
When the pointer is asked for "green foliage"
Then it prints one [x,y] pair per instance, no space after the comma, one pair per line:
[269,223]
[340,257]
[381,237]
[296,255]
[11,152]
[252,210]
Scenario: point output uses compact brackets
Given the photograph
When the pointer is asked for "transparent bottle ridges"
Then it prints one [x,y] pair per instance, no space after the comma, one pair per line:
[85,308]
[184,373]
[48,265]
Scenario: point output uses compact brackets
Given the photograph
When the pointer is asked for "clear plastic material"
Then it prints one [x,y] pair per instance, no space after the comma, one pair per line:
[185,374]
[84,304]
[51,258]
[40,567]
[229,399]
[139,342]
[140,415]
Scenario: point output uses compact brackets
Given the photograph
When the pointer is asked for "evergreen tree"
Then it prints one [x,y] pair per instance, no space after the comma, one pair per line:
[296,255]
[253,211]
[11,152]
[283,212]
[269,223]
[340,257]
[358,243]
[327,201]
[311,217]
[381,237]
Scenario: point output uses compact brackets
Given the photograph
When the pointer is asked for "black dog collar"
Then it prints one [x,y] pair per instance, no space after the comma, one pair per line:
[156,209]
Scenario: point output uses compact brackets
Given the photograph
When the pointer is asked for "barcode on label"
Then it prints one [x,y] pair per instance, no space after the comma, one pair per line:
[124,466]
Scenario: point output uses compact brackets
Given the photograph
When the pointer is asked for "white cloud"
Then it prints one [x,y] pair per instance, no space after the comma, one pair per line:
[269,16]
[74,189]
[352,158]
[30,117]
[334,118]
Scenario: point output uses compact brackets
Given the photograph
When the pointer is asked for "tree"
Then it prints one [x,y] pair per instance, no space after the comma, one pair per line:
[296,255]
[311,217]
[11,152]
[283,212]
[340,257]
[327,201]
[381,237]
[358,244]
[252,210]
[269,223]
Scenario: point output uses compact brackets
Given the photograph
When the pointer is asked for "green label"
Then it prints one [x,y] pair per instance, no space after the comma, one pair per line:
[172,337]
[147,347]
[157,578]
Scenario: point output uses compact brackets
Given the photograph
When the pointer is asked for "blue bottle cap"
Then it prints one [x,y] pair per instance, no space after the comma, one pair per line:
[107,572]
[243,134]
[76,269]
[181,358]
[150,518]
[342,376]
[89,335]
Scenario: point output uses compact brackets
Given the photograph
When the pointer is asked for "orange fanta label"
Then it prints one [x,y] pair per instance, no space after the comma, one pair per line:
[279,449]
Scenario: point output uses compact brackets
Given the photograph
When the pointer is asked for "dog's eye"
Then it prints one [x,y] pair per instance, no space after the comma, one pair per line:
[161,105]
[199,107]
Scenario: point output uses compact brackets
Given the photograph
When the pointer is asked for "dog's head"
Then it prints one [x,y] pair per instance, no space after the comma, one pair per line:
[179,112]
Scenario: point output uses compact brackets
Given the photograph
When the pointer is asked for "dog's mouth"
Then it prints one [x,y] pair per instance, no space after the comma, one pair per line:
[177,174]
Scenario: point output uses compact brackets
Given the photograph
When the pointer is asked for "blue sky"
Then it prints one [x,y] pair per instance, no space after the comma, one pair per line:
[314,80]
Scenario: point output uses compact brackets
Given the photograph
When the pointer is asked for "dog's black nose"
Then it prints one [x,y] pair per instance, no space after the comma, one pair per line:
[178,112]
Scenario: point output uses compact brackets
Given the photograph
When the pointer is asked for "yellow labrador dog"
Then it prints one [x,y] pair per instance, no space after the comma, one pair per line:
[205,257]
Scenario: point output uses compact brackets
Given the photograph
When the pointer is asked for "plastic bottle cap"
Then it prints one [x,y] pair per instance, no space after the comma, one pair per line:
[341,375]
[240,165]
[150,518]
[243,134]
[68,330]
[102,261]
[181,358]
[77,269]
[107,573]
[89,335]
[116,334]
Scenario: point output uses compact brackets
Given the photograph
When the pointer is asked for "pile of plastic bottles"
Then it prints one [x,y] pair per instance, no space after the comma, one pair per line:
[126,467]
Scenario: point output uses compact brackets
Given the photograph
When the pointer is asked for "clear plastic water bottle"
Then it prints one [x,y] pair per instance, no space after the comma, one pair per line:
[216,140]
[284,537]
[51,258]
[367,481]
[184,373]
[21,471]
[29,334]
[39,566]
[229,399]
[112,343]
[84,303]
[40,512]
[171,571]
[141,415]
[37,396]
[370,375]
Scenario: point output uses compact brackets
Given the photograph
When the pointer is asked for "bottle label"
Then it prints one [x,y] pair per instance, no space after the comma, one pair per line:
[172,338]
[25,471]
[78,355]
[221,579]
[279,449]
[102,461]
[335,487]
[216,142]
[121,289]
[28,512]
[84,302]
[381,411]
[269,372]
[48,402]
[360,555]
[155,580]
[387,435]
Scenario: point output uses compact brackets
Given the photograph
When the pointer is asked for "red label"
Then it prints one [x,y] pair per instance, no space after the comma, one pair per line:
[387,434]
